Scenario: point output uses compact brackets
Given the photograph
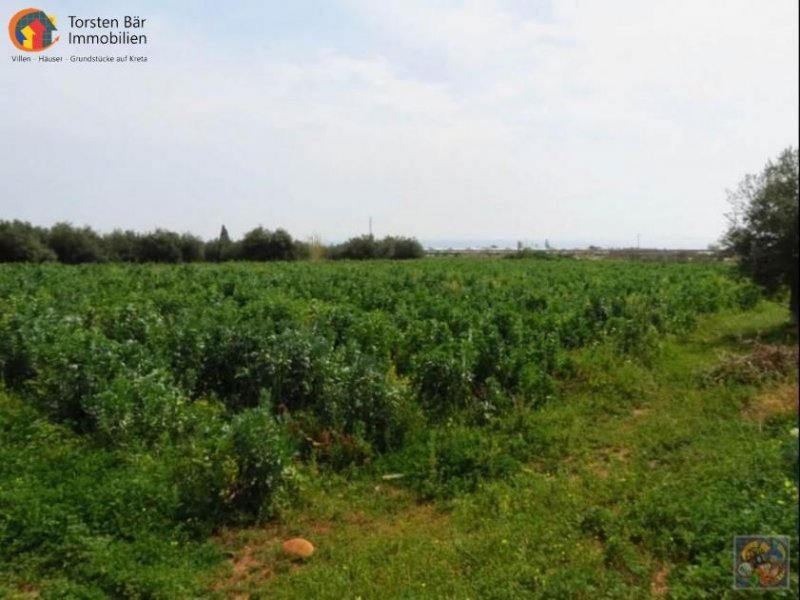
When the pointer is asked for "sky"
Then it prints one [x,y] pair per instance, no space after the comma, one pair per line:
[576,121]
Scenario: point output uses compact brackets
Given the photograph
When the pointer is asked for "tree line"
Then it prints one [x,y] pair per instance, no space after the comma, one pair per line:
[63,242]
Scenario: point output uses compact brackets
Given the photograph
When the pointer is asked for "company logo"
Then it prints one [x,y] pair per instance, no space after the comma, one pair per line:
[761,562]
[32,30]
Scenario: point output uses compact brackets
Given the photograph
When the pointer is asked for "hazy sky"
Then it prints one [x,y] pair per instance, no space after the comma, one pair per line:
[573,120]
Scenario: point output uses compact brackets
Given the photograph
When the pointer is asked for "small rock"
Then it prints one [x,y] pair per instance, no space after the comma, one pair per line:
[298,548]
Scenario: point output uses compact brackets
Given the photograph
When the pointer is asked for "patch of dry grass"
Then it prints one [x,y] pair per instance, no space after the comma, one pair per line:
[781,401]
[765,362]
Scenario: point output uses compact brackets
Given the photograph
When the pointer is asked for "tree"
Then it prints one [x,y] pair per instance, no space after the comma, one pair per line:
[262,244]
[192,248]
[256,244]
[282,245]
[367,247]
[121,245]
[224,238]
[73,245]
[159,246]
[763,227]
[22,242]
[406,248]
[356,248]
[221,248]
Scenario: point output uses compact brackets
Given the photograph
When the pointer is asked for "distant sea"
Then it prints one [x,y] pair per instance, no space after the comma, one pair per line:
[505,243]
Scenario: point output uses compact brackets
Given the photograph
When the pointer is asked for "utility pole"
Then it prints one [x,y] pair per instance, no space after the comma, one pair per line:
[637,240]
[370,227]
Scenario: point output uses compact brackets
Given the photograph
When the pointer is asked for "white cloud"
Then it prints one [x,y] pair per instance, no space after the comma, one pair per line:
[584,121]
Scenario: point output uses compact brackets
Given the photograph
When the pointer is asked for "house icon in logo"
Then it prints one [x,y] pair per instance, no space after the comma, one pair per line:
[32,30]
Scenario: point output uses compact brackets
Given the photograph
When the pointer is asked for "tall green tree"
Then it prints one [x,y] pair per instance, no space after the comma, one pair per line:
[224,237]
[763,226]
[221,248]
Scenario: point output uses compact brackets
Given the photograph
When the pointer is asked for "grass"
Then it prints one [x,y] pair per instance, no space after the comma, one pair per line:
[634,483]
[69,522]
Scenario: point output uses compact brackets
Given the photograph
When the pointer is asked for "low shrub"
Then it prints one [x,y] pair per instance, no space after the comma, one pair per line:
[447,461]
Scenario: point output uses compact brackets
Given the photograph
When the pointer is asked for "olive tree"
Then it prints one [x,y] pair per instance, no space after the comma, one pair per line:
[763,227]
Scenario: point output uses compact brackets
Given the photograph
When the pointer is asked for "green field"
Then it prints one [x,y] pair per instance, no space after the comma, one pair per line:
[550,429]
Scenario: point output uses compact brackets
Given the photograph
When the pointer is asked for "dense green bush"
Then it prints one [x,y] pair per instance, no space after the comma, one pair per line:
[229,471]
[122,246]
[261,244]
[73,245]
[367,247]
[90,522]
[446,461]
[340,347]
[176,396]
[22,242]
[343,354]
[159,246]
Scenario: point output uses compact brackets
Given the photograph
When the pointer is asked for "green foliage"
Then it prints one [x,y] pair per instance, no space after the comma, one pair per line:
[229,471]
[73,245]
[355,354]
[159,246]
[22,242]
[137,409]
[763,230]
[447,461]
[221,248]
[86,521]
[192,248]
[530,253]
[174,396]
[122,246]
[749,482]
[367,247]
[260,455]
[356,248]
[261,244]
[400,248]
[631,483]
